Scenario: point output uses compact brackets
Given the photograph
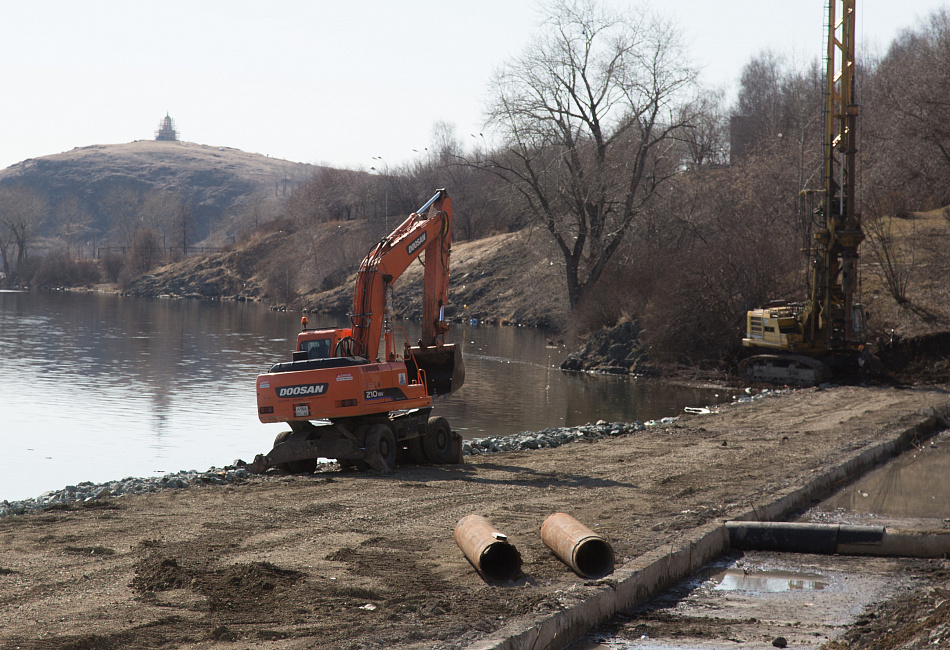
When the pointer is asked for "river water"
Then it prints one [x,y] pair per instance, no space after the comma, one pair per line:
[97,387]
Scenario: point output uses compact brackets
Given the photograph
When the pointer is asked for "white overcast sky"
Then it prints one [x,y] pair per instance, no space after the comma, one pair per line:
[329,82]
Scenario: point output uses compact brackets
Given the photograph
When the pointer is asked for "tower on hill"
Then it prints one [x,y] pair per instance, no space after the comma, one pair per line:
[166,129]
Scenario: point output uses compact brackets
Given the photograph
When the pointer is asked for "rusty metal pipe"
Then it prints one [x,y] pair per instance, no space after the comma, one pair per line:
[487,549]
[586,552]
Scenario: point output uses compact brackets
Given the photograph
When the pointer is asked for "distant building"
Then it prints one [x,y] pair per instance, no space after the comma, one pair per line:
[166,129]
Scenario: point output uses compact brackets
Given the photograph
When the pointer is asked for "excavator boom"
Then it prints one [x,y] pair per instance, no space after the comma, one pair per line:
[425,234]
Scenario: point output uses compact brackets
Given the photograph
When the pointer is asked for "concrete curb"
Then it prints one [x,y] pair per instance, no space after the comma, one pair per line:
[643,577]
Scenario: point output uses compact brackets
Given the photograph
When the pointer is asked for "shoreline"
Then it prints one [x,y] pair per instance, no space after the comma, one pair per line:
[236,472]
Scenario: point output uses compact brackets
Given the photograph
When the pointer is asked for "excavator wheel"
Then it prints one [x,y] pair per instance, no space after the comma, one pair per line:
[380,437]
[358,465]
[297,466]
[437,441]
[282,437]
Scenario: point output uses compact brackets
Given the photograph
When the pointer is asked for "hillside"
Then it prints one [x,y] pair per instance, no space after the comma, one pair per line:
[517,278]
[214,182]
[505,278]
[913,254]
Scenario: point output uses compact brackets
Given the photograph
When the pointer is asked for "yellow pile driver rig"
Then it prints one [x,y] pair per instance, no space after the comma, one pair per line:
[807,341]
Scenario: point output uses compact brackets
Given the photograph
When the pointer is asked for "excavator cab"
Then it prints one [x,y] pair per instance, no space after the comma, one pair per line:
[441,365]
[322,344]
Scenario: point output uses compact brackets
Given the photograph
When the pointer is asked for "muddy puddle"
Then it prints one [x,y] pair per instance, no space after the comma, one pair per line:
[768,581]
[749,600]
[912,491]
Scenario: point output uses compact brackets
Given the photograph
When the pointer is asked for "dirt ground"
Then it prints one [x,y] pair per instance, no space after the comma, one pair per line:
[347,560]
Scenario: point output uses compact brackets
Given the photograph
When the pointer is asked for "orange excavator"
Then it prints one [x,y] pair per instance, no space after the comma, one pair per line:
[345,401]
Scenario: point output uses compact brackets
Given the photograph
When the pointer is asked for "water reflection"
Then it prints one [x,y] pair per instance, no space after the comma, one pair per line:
[97,387]
[914,485]
[768,581]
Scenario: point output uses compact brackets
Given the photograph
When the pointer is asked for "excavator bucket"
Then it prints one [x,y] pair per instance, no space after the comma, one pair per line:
[442,365]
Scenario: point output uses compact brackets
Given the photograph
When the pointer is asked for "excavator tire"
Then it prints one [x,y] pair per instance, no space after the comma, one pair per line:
[282,437]
[381,438]
[361,433]
[437,441]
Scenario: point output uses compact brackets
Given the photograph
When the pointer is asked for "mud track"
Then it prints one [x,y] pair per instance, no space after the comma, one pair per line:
[347,560]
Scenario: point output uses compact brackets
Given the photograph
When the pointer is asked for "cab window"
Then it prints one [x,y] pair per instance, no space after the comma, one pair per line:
[316,348]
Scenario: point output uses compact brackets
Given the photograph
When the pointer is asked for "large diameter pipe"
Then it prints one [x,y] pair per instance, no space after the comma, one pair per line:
[487,549]
[586,552]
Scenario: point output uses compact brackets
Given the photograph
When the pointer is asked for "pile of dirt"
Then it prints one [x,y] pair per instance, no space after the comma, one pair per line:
[159,574]
[916,619]
[923,359]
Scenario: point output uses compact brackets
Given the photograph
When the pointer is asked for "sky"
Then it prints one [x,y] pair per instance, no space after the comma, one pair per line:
[345,83]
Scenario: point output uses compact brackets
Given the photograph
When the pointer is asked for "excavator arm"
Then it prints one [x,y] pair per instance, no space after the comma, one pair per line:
[425,234]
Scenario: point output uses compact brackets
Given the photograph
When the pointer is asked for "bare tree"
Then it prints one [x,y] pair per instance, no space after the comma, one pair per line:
[907,121]
[170,215]
[783,103]
[587,115]
[893,262]
[74,221]
[760,93]
[123,205]
[144,253]
[22,212]
[705,138]
[446,147]
[329,195]
[183,225]
[6,245]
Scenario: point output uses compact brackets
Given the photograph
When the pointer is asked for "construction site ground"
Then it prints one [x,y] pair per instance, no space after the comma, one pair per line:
[341,559]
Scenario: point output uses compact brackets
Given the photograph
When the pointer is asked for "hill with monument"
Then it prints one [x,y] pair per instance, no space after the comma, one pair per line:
[219,187]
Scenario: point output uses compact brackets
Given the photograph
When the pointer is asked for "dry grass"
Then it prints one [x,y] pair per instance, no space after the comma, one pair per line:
[922,247]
